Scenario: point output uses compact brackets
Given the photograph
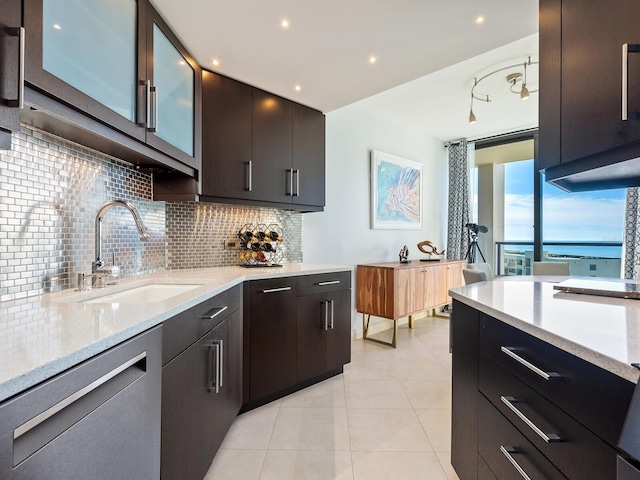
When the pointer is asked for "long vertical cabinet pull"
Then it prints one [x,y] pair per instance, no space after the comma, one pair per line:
[326,315]
[213,377]
[221,362]
[249,175]
[144,114]
[331,309]
[296,192]
[290,189]
[627,48]
[153,121]
[18,102]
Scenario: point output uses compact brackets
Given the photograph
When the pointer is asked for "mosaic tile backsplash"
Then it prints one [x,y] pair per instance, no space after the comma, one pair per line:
[50,192]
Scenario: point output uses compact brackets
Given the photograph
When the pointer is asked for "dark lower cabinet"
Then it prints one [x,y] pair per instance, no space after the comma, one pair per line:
[528,408]
[298,332]
[323,333]
[99,420]
[273,336]
[10,62]
[201,389]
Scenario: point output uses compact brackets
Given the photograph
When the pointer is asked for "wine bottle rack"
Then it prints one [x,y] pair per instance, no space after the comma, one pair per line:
[260,245]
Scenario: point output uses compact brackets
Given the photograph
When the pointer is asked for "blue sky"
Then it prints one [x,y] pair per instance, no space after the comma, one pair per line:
[583,216]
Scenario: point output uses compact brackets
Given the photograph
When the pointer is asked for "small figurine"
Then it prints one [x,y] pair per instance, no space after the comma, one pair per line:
[404,254]
[429,248]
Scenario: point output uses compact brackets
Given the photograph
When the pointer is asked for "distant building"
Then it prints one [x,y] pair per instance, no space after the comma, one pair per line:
[521,263]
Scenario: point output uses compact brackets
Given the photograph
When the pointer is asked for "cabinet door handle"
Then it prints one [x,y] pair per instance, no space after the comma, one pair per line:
[250,175]
[326,315]
[213,377]
[20,33]
[144,115]
[153,122]
[331,282]
[61,405]
[546,375]
[221,362]
[331,309]
[507,451]
[274,290]
[552,437]
[211,316]
[296,192]
[626,49]
[290,186]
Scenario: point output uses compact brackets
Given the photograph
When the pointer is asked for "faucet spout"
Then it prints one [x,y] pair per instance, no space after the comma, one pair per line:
[144,234]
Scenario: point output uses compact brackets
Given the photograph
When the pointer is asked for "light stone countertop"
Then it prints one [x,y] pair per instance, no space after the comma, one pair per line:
[44,335]
[601,330]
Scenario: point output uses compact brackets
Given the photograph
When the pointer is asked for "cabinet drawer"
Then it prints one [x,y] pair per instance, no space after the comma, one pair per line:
[596,398]
[324,282]
[506,450]
[183,329]
[572,448]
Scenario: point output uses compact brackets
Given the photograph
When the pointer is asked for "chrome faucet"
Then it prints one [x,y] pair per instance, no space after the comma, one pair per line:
[98,269]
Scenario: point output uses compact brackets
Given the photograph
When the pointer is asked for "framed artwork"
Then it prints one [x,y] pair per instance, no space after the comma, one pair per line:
[396,192]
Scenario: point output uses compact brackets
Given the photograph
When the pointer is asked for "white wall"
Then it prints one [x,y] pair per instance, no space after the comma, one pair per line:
[342,234]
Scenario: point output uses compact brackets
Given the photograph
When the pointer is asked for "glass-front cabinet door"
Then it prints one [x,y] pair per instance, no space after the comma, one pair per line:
[117,61]
[86,55]
[173,76]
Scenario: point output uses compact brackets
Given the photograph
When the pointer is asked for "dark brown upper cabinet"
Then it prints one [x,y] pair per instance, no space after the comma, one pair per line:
[259,148]
[586,83]
[117,63]
[11,61]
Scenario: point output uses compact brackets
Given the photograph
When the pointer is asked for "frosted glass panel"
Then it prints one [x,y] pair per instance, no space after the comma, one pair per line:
[91,45]
[174,79]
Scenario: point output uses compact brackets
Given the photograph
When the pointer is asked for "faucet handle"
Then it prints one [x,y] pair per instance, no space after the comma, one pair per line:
[81,282]
[115,270]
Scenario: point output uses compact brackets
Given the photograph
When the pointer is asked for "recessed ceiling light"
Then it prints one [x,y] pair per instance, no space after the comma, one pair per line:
[298,88]
[479,19]
[372,59]
[215,62]
[56,26]
[284,23]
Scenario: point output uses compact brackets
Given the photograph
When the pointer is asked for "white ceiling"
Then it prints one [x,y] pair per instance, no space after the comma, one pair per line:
[326,50]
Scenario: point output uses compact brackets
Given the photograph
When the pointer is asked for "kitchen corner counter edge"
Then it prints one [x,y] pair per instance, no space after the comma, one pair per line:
[600,330]
[44,335]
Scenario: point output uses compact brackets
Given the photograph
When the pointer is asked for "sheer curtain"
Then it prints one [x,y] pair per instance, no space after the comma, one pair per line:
[631,244]
[459,204]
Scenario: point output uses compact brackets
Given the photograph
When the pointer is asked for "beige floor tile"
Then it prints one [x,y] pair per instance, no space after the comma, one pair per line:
[396,466]
[428,394]
[445,461]
[310,429]
[252,430]
[236,465]
[329,394]
[386,430]
[306,465]
[437,425]
[376,394]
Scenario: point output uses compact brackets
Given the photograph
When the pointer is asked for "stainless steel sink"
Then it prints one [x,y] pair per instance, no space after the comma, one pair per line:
[151,293]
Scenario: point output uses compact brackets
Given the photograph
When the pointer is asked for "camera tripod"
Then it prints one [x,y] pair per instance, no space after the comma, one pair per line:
[473,249]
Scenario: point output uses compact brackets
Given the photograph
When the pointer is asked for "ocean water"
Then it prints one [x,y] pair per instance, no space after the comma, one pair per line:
[571,250]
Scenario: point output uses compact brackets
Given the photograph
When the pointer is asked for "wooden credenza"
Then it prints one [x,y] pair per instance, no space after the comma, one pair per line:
[395,290]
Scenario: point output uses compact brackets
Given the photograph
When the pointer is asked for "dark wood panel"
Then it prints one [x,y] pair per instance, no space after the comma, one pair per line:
[464,406]
[226,140]
[323,283]
[10,20]
[273,337]
[495,431]
[339,338]
[609,395]
[272,154]
[312,322]
[308,155]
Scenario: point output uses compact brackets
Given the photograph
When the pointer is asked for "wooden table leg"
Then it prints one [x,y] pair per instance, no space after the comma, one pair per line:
[410,321]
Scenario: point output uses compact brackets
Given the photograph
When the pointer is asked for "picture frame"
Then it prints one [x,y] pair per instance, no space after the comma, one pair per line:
[396,192]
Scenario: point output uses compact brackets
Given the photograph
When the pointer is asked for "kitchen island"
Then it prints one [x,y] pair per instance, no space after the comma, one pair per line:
[541,380]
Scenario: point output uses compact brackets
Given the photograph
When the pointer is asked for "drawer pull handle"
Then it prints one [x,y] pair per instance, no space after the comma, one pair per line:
[211,316]
[510,352]
[509,401]
[626,49]
[507,451]
[274,290]
[50,412]
[331,282]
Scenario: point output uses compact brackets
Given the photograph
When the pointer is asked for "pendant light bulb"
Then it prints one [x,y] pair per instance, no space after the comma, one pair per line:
[524,93]
[472,117]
